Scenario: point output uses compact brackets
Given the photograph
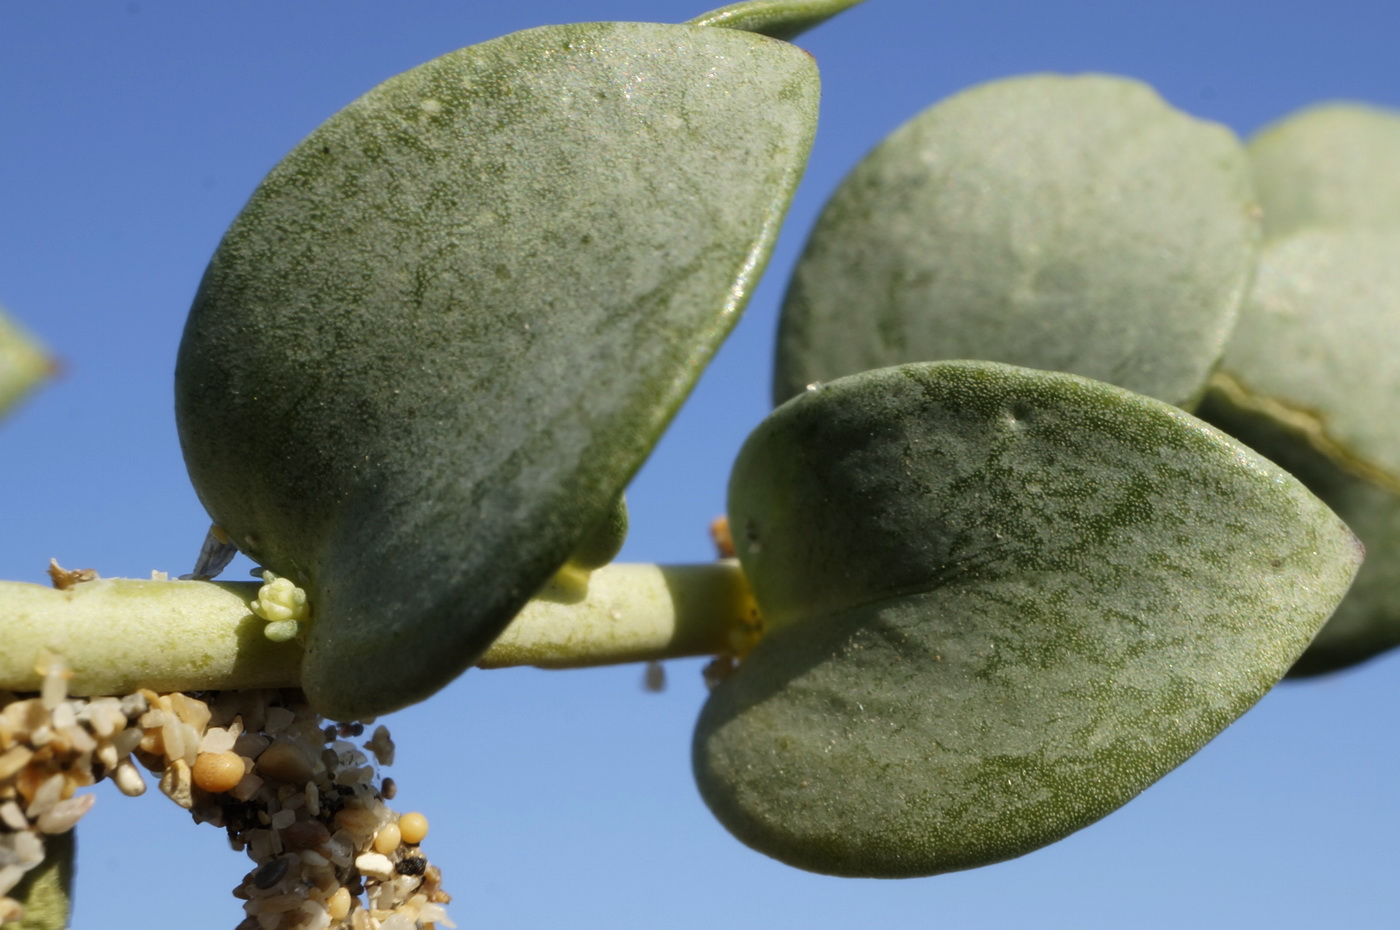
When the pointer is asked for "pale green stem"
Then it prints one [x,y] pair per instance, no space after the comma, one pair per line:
[121,634]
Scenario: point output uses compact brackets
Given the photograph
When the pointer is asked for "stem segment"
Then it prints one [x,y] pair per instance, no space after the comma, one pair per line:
[121,634]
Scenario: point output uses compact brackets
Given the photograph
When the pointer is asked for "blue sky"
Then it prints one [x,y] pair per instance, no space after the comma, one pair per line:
[133,132]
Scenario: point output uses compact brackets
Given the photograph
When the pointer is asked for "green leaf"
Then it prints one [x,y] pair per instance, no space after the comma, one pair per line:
[1318,344]
[23,363]
[1367,622]
[46,892]
[604,541]
[1001,604]
[781,19]
[1068,223]
[1329,165]
[448,327]
[1307,380]
[599,546]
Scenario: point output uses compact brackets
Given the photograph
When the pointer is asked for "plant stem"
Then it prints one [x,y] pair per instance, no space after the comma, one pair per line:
[631,613]
[121,634]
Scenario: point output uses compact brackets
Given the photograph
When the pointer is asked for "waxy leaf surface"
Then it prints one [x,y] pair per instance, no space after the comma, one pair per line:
[447,328]
[1000,604]
[1072,224]
[1367,621]
[1319,339]
[1311,379]
[781,19]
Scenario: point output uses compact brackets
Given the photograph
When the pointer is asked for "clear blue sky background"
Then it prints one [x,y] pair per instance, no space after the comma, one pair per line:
[131,133]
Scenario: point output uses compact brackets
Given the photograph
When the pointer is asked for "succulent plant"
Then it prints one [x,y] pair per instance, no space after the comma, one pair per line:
[993,579]
[448,327]
[1311,372]
[1074,224]
[999,604]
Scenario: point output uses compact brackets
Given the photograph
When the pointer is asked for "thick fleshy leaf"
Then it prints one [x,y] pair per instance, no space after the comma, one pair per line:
[1309,380]
[446,329]
[1067,223]
[1319,344]
[1367,622]
[1002,603]
[22,363]
[1329,165]
[601,544]
[781,19]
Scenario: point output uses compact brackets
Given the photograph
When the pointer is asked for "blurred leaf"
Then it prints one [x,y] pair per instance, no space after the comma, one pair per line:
[23,363]
[781,19]
[46,892]
[1329,165]
[1067,223]
[448,327]
[1318,344]
[1002,603]
[1309,380]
